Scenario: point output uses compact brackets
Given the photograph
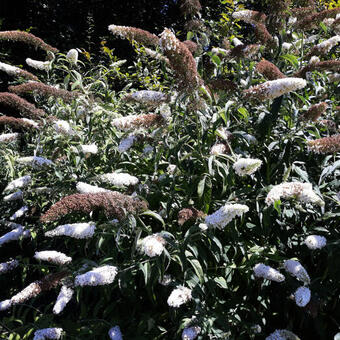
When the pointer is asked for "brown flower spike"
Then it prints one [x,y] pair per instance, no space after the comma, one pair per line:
[190,7]
[269,70]
[113,203]
[189,214]
[315,111]
[325,145]
[331,65]
[18,123]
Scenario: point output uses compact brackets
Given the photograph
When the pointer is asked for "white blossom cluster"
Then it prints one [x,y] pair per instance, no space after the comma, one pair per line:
[179,296]
[148,97]
[6,304]
[246,166]
[72,56]
[34,161]
[63,127]
[219,50]
[9,69]
[85,188]
[89,149]
[282,334]
[267,272]
[118,179]
[121,31]
[302,296]
[155,55]
[38,65]
[76,230]
[14,235]
[153,245]
[96,277]
[48,333]
[125,123]
[314,59]
[20,182]
[301,191]
[296,269]
[63,298]
[327,45]
[168,41]
[8,266]
[115,333]
[15,196]
[275,88]
[315,241]
[237,42]
[190,333]
[245,15]
[19,213]
[126,143]
[52,256]
[225,214]
[334,77]
[218,148]
[31,122]
[9,137]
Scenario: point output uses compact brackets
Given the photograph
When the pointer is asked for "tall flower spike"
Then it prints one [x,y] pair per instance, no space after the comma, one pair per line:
[27,38]
[76,230]
[325,145]
[269,70]
[20,182]
[296,269]
[97,277]
[113,203]
[9,137]
[136,121]
[181,61]
[22,106]
[249,16]
[314,112]
[312,21]
[18,123]
[14,235]
[274,88]
[246,166]
[326,65]
[147,97]
[48,333]
[8,266]
[52,256]
[133,33]
[38,65]
[325,46]
[269,273]
[63,298]
[17,72]
[118,179]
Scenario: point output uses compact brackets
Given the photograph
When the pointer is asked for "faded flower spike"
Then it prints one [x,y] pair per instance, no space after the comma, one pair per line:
[38,65]
[315,111]
[269,70]
[48,333]
[282,334]
[119,179]
[17,72]
[246,166]
[296,269]
[153,245]
[315,242]
[179,296]
[35,161]
[191,333]
[97,277]
[115,333]
[325,145]
[302,296]
[225,214]
[267,272]
[75,230]
[63,298]
[20,182]
[136,121]
[301,191]
[325,46]
[52,256]
[274,88]
[249,16]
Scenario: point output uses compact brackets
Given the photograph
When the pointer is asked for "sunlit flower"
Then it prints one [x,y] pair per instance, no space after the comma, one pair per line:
[225,214]
[8,266]
[14,235]
[191,333]
[18,195]
[325,46]
[115,333]
[325,145]
[52,256]
[85,188]
[19,213]
[63,298]
[72,56]
[302,296]
[96,277]
[267,272]
[34,161]
[6,304]
[63,127]
[9,137]
[118,179]
[246,166]
[76,230]
[16,71]
[39,65]
[126,143]
[48,333]
[89,149]
[20,182]
[315,241]
[153,245]
[282,334]
[296,269]
[147,97]
[179,296]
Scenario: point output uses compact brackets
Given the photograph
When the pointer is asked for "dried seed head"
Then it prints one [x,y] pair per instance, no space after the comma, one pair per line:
[189,214]
[192,47]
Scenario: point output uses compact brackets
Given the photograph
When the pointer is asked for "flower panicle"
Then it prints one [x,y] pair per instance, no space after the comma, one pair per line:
[249,16]
[325,145]
[17,72]
[27,38]
[19,123]
[269,70]
[113,203]
[141,36]
[138,121]
[324,47]
[190,7]
[326,65]
[313,20]
[315,111]
[42,89]
[14,102]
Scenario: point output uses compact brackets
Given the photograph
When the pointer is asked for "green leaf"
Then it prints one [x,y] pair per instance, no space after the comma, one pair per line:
[154,215]
[277,206]
[292,59]
[200,187]
[190,35]
[221,282]
[216,59]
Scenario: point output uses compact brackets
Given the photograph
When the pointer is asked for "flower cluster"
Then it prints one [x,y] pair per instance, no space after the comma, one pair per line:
[315,242]
[18,195]
[52,256]
[225,214]
[315,111]
[297,270]
[48,333]
[325,145]
[331,65]
[118,179]
[14,235]
[8,266]
[191,333]
[9,137]
[20,182]
[75,230]
[301,191]
[325,46]
[19,213]
[89,149]
[34,161]
[179,296]
[246,166]
[189,214]
[39,65]
[63,127]
[136,121]
[85,188]
[249,16]
[96,277]
[147,97]
[302,296]
[72,56]
[17,72]
[126,143]
[63,298]
[282,334]
[153,245]
[267,272]
[115,333]
[269,70]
